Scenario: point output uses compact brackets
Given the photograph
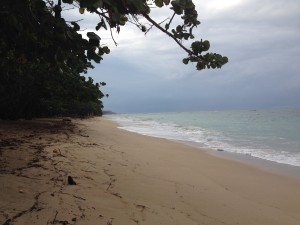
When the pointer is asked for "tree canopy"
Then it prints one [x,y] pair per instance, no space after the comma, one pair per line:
[43,57]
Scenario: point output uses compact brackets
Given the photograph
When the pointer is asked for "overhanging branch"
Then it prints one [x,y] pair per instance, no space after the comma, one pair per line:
[166,32]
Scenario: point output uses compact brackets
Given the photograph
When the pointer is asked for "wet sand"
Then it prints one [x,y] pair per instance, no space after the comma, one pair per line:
[125,178]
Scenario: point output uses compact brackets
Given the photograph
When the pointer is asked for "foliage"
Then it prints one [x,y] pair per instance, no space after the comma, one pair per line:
[42,56]
[41,59]
[117,13]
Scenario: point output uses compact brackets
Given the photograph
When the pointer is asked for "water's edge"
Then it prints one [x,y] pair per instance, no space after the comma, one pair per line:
[262,164]
[269,140]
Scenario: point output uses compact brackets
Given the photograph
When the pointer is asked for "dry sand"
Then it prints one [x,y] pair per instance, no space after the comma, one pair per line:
[125,178]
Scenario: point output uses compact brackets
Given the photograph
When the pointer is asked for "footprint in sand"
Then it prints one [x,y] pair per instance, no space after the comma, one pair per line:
[141,207]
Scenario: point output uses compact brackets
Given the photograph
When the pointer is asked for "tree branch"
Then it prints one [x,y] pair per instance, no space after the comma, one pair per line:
[112,36]
[151,25]
[166,32]
[171,19]
[102,14]
[75,21]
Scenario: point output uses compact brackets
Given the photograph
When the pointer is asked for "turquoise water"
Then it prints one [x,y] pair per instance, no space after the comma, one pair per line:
[268,134]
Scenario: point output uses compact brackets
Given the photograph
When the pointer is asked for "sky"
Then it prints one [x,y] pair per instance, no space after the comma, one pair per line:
[261,38]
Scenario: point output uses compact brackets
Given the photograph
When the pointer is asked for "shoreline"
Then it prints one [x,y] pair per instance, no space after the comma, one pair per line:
[261,163]
[266,134]
[127,178]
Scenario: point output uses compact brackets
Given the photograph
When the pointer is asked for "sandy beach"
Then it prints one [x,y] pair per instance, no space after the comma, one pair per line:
[123,178]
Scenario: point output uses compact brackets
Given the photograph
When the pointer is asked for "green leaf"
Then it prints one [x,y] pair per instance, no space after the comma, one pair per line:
[205,45]
[98,4]
[225,59]
[81,10]
[186,36]
[88,3]
[159,3]
[92,35]
[101,24]
[189,4]
[200,66]
[186,61]
[76,27]
[98,26]
[196,47]
[140,6]
[178,28]
[123,20]
[97,58]
[106,50]
[177,6]
[94,42]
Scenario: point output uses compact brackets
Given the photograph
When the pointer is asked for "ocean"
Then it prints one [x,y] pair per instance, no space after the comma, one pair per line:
[272,134]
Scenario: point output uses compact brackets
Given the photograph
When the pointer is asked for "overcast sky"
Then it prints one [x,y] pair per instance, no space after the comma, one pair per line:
[261,38]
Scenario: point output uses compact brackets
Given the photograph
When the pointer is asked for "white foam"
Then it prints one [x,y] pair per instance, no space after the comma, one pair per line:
[206,138]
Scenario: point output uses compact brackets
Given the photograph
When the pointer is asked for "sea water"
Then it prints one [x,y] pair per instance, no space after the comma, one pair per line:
[267,134]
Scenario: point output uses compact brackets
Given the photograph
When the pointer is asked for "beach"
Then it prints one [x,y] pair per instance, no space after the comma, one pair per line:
[124,178]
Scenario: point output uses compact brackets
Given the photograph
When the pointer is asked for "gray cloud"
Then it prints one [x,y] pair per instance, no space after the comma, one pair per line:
[260,37]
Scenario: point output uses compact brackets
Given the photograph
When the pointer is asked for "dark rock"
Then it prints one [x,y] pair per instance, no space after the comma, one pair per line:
[71,181]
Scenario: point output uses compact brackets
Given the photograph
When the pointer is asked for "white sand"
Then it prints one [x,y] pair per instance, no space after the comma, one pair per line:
[124,178]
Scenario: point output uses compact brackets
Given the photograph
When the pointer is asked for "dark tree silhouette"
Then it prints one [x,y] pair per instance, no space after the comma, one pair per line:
[43,57]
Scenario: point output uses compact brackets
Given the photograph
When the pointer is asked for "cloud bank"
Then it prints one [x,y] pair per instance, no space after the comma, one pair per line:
[260,38]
